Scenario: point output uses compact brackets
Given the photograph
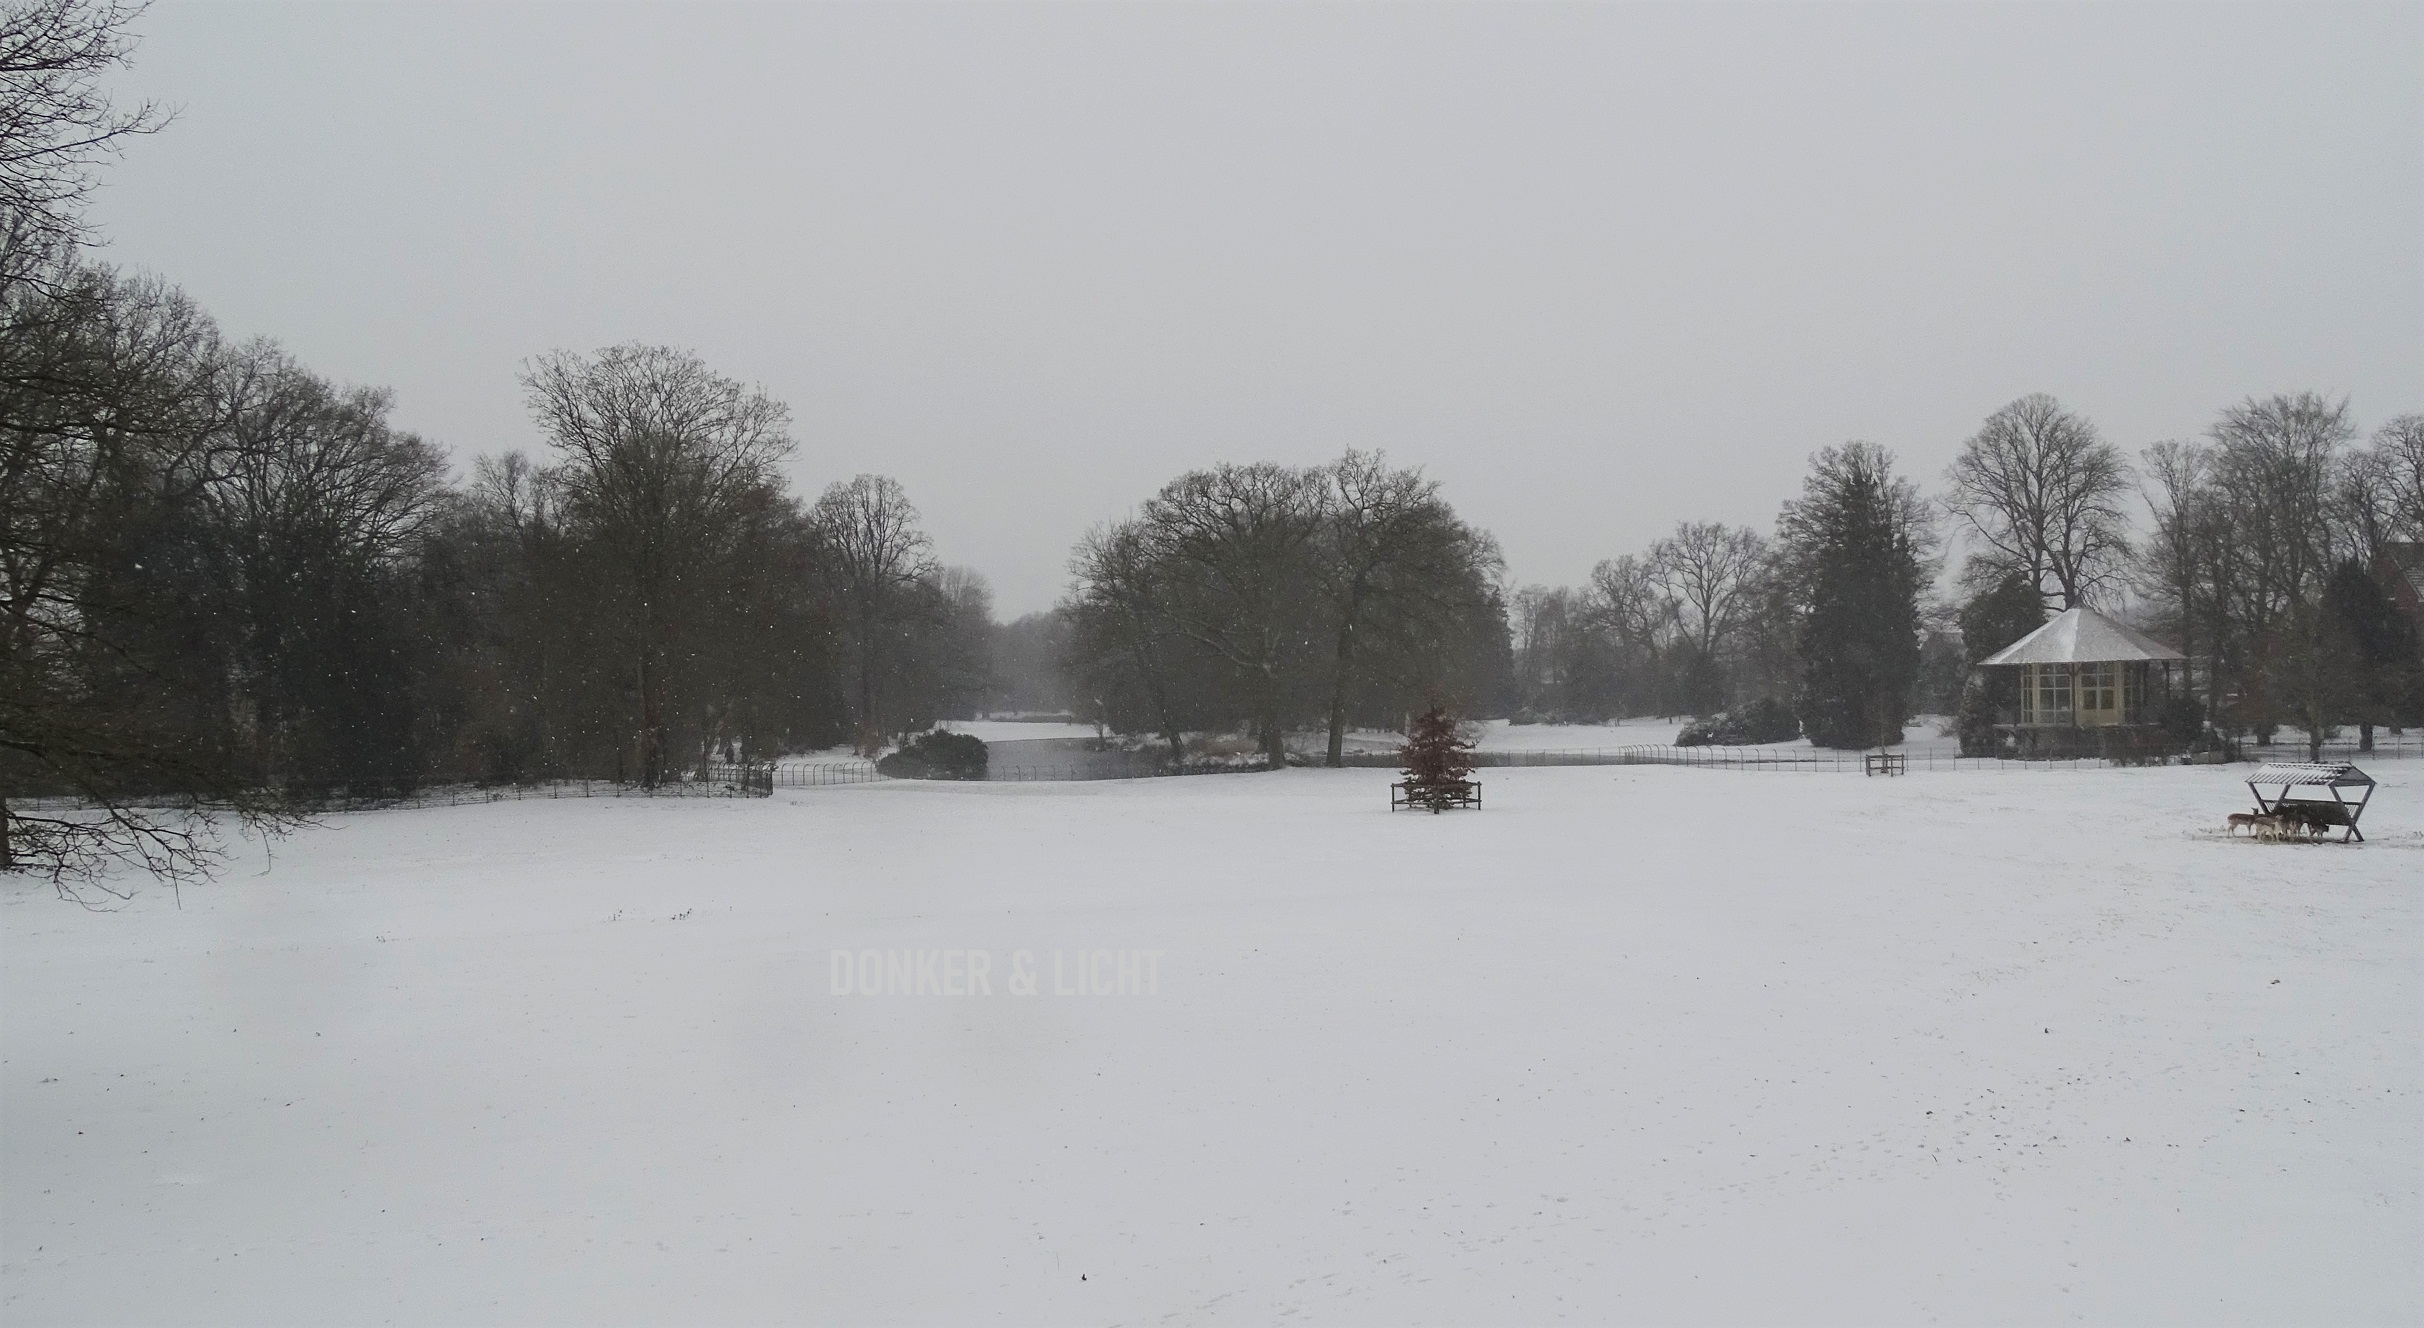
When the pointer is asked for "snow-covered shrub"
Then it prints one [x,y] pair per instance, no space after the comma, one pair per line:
[1764,720]
[937,755]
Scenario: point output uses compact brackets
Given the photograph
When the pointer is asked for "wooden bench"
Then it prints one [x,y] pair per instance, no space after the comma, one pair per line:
[1885,763]
[1435,797]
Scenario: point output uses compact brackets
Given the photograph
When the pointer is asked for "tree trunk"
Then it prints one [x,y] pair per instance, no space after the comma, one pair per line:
[1339,671]
[1160,696]
[652,723]
[867,722]
[866,642]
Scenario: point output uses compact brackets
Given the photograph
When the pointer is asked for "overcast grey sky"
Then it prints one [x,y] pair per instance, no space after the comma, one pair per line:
[1598,268]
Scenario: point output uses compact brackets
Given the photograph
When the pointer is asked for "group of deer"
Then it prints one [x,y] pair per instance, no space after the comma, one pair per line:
[2275,827]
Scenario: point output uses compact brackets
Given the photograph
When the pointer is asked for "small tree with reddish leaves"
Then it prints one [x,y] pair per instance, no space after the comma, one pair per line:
[1438,763]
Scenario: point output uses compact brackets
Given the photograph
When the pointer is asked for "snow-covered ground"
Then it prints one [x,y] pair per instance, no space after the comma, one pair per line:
[1630,1044]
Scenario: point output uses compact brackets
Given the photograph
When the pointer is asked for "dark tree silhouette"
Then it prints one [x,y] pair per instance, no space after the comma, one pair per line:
[1859,545]
[1438,762]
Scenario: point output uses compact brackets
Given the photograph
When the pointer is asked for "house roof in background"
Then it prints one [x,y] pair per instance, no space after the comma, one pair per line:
[2407,560]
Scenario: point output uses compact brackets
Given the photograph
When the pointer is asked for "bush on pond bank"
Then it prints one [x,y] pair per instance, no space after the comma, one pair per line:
[1764,720]
[937,755]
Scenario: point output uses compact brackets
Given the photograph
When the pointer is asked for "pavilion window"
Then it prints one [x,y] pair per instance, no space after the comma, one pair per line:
[2053,694]
[2096,687]
[2133,689]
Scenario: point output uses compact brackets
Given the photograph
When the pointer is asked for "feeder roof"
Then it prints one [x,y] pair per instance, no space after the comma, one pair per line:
[2337,774]
[2081,636]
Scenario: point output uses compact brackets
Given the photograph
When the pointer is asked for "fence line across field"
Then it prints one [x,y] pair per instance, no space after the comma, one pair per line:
[1106,766]
[756,779]
[1019,774]
[787,774]
[1853,762]
[761,779]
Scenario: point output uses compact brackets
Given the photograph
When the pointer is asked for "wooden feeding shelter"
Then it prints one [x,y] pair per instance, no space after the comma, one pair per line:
[2089,686]
[2309,793]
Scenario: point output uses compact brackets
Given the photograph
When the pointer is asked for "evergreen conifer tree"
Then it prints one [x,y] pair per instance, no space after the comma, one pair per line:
[1859,545]
[1991,620]
[1438,761]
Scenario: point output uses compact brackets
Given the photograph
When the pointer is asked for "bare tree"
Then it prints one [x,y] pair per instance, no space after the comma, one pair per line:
[2394,481]
[2175,565]
[1641,616]
[113,435]
[1390,544]
[1537,618]
[321,503]
[2365,515]
[1236,554]
[1123,634]
[2044,492]
[878,558]
[56,125]
[2275,462]
[85,365]
[659,455]
[1711,572]
[946,667]
[1709,569]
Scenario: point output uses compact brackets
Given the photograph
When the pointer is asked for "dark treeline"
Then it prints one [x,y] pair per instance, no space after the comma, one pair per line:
[227,574]
[226,580]
[2275,553]
[1829,620]
[2279,552]
[231,584]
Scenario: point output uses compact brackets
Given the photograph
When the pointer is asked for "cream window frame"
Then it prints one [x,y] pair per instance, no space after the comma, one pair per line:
[2053,694]
[2099,689]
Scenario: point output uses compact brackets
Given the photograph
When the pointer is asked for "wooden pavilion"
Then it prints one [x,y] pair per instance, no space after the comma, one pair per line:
[2089,686]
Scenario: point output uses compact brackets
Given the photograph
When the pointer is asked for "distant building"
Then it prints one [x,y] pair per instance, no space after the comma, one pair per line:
[2401,567]
[2089,686]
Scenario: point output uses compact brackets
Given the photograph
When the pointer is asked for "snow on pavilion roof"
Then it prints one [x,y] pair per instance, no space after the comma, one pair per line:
[2081,636]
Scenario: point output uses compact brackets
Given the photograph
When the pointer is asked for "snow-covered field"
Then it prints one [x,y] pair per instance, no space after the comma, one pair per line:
[1630,1044]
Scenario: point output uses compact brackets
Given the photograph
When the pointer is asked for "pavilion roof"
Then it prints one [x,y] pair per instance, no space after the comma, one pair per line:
[2081,636]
